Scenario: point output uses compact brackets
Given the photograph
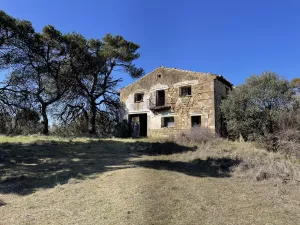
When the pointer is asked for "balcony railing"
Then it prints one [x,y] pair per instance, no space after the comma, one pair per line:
[159,104]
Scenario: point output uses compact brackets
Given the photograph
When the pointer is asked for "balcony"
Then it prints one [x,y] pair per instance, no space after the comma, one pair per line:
[159,104]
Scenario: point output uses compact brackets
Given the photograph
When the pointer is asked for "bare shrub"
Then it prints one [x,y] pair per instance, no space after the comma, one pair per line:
[259,164]
[196,134]
[270,168]
[289,142]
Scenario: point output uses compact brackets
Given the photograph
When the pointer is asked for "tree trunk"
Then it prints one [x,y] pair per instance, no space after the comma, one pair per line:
[93,118]
[45,120]
[87,121]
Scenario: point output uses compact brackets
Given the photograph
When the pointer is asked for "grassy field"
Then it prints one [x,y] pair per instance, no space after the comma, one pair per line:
[50,180]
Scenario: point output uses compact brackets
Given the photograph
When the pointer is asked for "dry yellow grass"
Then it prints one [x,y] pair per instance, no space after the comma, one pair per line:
[90,181]
[252,160]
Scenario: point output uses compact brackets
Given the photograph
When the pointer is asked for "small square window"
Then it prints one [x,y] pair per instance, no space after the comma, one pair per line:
[168,122]
[186,91]
[196,121]
[138,97]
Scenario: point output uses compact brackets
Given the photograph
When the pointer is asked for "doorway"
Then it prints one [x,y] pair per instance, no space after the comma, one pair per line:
[138,124]
[160,98]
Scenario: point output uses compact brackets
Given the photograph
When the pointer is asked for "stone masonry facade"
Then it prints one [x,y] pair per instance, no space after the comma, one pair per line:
[174,100]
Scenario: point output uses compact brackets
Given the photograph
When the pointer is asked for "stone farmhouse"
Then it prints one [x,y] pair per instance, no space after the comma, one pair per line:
[169,100]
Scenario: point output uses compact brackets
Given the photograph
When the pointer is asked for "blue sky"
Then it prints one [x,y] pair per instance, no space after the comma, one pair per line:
[234,38]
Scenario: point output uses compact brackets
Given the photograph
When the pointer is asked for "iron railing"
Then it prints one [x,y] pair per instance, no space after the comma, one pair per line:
[158,103]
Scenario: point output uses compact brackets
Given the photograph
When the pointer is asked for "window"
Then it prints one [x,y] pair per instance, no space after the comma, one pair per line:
[168,122]
[196,121]
[186,91]
[138,97]
[160,98]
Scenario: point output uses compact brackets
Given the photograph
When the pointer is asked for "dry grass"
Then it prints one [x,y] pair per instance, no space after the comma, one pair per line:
[125,182]
[196,134]
[253,161]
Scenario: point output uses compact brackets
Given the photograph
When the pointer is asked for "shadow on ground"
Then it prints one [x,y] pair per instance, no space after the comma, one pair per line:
[158,148]
[44,164]
[220,167]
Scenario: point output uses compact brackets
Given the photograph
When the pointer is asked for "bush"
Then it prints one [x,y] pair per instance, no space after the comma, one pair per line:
[5,123]
[25,122]
[262,109]
[289,142]
[122,129]
[196,134]
[78,127]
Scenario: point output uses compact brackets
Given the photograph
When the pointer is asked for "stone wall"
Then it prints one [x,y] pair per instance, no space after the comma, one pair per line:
[201,102]
[221,90]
